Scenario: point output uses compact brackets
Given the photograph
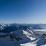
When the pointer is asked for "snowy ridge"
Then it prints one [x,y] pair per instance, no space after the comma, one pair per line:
[21,37]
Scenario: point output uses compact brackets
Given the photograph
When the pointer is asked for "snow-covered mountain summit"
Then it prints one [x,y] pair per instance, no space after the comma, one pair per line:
[18,35]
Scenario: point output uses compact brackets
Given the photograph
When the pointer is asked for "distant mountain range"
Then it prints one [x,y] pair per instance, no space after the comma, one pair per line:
[6,28]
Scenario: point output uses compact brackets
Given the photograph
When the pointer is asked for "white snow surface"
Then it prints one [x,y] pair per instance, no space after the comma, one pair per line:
[29,38]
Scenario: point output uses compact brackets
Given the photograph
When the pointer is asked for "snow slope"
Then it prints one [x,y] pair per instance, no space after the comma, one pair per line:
[28,38]
[38,42]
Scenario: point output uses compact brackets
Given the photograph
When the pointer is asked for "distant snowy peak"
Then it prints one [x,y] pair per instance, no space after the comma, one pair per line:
[1,28]
[3,25]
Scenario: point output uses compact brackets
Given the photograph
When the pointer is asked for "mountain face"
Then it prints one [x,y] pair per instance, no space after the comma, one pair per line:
[20,38]
[21,35]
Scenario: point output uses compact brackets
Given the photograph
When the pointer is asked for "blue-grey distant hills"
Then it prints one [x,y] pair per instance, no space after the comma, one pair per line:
[7,28]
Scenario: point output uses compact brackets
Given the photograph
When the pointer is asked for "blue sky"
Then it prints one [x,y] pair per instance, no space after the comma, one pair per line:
[22,11]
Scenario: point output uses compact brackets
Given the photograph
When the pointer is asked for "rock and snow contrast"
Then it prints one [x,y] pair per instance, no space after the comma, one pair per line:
[22,37]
